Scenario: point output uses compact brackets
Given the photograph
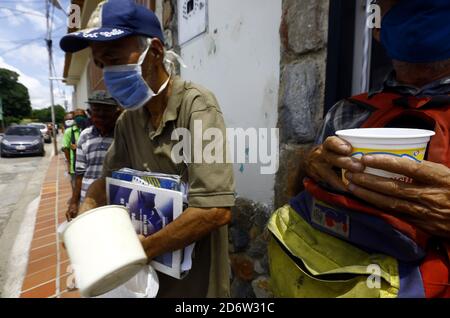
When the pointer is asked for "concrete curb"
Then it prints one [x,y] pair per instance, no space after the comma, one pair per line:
[18,260]
[15,241]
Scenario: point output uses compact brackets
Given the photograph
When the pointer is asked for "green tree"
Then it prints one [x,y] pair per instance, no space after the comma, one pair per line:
[45,115]
[15,97]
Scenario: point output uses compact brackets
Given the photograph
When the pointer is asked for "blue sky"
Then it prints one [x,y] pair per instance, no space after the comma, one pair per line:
[22,48]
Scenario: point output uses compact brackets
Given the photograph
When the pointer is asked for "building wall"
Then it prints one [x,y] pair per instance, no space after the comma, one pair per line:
[238,59]
[304,33]
[96,77]
[265,61]
[82,89]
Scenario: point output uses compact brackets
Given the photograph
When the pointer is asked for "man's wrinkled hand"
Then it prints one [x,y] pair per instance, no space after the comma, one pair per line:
[72,211]
[333,153]
[424,203]
[143,241]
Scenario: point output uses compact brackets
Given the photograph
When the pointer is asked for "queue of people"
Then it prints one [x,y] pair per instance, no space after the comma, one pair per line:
[71,135]
[92,146]
[326,238]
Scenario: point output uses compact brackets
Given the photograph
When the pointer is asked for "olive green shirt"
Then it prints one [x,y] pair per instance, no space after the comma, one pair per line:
[139,146]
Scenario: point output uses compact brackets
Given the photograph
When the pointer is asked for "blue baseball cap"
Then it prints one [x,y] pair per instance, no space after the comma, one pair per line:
[417,31]
[113,20]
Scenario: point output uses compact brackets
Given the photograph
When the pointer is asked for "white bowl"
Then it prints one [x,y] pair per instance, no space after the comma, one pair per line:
[386,138]
[104,250]
[399,142]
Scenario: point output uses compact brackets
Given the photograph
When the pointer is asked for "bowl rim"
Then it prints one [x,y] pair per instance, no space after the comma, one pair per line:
[420,133]
[87,213]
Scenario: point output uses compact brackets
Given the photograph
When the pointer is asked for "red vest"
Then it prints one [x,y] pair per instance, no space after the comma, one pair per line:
[435,268]
[436,111]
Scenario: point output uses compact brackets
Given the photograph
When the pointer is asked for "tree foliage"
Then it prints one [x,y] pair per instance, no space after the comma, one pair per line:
[45,115]
[15,97]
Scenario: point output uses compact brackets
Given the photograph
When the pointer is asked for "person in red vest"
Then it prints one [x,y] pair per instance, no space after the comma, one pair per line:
[415,35]
[410,222]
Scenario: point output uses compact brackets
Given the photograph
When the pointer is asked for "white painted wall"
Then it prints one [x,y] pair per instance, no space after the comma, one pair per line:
[82,89]
[239,60]
[362,50]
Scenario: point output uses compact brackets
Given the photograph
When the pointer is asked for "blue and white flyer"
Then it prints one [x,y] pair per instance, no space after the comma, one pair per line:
[150,210]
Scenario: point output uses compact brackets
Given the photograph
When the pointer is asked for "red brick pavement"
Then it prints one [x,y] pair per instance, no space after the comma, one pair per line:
[48,264]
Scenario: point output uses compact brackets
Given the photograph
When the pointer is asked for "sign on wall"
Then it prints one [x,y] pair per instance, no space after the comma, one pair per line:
[192,19]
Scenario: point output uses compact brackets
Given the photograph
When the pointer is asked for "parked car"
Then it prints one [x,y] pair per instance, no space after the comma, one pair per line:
[44,130]
[20,140]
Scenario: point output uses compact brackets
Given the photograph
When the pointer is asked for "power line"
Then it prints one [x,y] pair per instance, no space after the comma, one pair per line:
[21,41]
[17,1]
[50,59]
[18,47]
[24,11]
[55,75]
[18,13]
[51,20]
[10,15]
[26,42]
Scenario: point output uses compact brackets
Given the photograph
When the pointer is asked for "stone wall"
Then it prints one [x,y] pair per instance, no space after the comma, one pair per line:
[170,24]
[304,36]
[304,33]
[302,89]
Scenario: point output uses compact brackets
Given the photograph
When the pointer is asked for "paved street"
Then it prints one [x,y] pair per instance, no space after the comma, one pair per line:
[15,176]
[21,180]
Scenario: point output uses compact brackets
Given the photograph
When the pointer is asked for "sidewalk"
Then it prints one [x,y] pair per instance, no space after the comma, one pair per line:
[47,272]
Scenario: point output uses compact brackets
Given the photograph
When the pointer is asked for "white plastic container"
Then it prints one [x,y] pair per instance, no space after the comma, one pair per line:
[407,143]
[104,250]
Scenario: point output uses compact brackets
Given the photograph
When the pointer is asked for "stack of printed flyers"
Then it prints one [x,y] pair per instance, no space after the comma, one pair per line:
[153,200]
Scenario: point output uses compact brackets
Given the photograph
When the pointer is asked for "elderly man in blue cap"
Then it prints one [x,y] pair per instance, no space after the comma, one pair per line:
[127,42]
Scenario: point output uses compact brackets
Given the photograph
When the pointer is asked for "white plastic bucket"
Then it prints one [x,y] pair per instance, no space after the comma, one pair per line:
[104,250]
[400,142]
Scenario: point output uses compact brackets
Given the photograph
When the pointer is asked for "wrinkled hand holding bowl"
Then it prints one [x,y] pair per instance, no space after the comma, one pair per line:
[406,143]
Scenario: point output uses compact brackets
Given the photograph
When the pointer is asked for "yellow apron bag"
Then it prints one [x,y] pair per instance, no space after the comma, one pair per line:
[306,263]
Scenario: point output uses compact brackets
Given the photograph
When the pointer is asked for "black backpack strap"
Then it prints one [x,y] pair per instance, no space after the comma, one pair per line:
[73,142]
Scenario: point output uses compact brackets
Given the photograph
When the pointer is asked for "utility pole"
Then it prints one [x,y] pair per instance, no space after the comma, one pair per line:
[48,41]
[66,102]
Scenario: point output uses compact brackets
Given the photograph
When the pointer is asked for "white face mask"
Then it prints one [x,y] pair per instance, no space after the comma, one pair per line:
[69,123]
